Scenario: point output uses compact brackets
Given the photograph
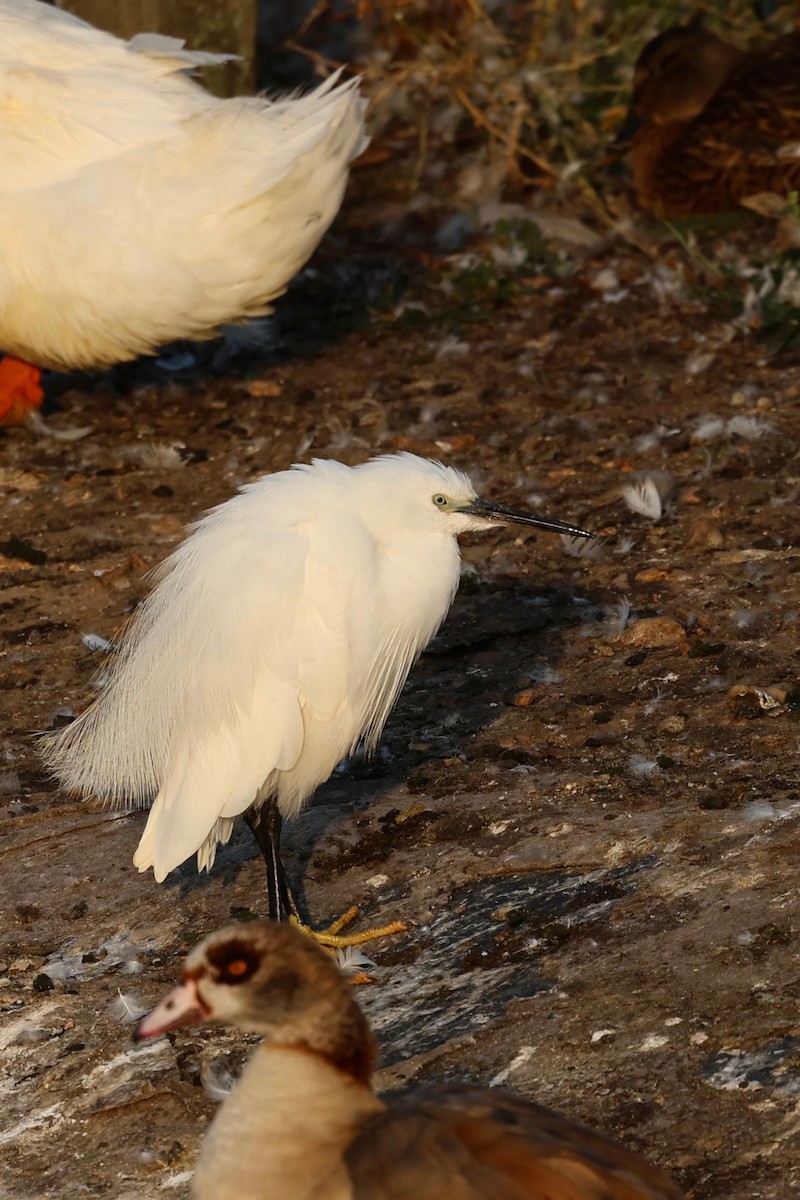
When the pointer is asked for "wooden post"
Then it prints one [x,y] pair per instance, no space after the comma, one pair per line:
[226,26]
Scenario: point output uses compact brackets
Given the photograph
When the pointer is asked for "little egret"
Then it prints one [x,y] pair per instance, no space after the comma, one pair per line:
[275,643]
[303,1119]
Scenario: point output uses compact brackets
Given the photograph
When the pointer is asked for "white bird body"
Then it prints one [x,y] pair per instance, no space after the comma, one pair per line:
[275,642]
[135,207]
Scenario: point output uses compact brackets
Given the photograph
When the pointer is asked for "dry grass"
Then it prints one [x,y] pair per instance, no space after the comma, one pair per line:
[489,99]
[504,111]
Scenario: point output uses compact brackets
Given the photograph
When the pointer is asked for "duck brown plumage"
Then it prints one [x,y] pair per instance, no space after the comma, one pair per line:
[716,124]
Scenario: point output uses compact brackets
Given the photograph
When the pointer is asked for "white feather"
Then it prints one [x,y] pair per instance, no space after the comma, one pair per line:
[127,1007]
[351,960]
[644,767]
[583,548]
[643,497]
[748,427]
[95,643]
[135,207]
[217,1079]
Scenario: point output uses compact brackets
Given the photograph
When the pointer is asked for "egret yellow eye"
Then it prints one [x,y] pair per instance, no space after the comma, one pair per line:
[439,500]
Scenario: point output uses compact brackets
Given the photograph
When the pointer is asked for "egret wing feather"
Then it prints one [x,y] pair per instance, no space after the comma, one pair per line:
[335,629]
[219,776]
[388,673]
[411,615]
[191,663]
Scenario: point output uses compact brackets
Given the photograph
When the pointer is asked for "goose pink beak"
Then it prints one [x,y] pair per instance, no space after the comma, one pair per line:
[183,1006]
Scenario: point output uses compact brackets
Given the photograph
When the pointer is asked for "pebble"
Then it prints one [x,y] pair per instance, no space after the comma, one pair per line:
[673,724]
[21,964]
[269,388]
[654,631]
[166,526]
[654,575]
[705,534]
[748,703]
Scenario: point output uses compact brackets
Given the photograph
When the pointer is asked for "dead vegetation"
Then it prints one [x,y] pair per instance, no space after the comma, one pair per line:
[495,100]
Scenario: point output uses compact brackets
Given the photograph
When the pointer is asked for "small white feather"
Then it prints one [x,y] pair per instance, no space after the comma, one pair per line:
[352,960]
[95,643]
[155,456]
[590,549]
[749,428]
[127,1007]
[699,361]
[63,433]
[708,428]
[645,768]
[217,1079]
[643,497]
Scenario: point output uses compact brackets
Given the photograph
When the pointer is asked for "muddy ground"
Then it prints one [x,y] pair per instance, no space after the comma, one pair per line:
[586,804]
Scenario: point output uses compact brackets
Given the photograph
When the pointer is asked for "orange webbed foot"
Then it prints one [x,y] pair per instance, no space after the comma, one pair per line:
[20,390]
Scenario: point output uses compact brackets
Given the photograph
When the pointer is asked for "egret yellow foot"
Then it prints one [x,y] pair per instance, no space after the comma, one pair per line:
[20,390]
[333,937]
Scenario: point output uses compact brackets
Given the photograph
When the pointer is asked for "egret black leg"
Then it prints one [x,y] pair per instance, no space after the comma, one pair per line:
[265,824]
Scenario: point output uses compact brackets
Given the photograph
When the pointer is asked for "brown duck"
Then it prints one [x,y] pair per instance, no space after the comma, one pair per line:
[303,1122]
[716,124]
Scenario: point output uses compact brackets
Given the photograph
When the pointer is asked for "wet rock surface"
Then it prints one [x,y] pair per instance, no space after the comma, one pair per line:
[586,802]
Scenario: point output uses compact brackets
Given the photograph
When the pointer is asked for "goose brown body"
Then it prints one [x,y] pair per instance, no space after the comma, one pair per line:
[716,124]
[303,1122]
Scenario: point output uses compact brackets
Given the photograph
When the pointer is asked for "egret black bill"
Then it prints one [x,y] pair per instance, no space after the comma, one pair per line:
[490,511]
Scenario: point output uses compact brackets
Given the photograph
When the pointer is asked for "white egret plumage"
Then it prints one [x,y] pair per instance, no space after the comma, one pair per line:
[275,642]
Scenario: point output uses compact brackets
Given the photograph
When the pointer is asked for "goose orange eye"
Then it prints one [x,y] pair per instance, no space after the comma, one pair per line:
[234,961]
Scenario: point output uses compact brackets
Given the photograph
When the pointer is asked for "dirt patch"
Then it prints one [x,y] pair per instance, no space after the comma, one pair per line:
[590,821]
